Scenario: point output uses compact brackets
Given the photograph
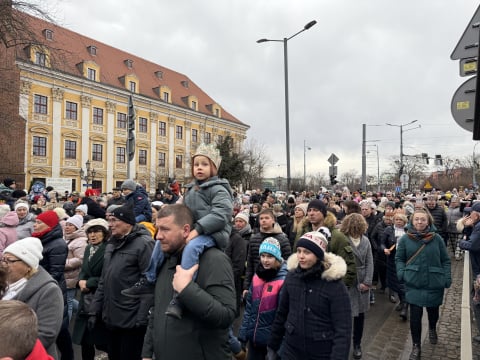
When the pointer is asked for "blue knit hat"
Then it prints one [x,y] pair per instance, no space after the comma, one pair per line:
[271,246]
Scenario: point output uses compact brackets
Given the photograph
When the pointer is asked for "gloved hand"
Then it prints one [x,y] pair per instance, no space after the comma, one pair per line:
[91,322]
[271,354]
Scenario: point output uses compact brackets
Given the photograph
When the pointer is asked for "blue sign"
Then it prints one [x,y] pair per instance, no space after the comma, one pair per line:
[398,189]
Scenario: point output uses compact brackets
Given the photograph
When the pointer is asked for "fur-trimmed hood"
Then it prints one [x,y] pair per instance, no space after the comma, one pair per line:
[334,267]
[330,221]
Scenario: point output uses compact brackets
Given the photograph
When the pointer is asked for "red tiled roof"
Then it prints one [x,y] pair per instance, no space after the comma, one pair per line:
[69,48]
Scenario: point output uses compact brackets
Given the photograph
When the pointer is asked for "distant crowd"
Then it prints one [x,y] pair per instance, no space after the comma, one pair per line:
[205,272]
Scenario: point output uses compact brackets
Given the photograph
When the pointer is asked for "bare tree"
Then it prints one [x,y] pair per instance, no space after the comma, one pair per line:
[255,161]
[351,179]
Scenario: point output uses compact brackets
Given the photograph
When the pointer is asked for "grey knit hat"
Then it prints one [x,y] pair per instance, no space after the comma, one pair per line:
[129,184]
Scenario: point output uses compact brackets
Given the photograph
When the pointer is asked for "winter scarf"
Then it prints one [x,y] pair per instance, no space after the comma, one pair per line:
[423,236]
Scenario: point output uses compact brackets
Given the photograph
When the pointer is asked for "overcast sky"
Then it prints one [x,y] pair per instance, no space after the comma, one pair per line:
[365,61]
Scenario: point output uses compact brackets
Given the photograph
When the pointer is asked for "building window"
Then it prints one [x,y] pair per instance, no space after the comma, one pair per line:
[40,58]
[208,138]
[92,50]
[70,149]
[161,159]
[91,74]
[71,110]
[40,104]
[166,96]
[162,128]
[142,125]
[217,112]
[48,34]
[220,139]
[39,146]
[121,120]
[194,105]
[97,116]
[121,155]
[194,135]
[97,152]
[133,86]
[179,132]
[178,161]
[142,157]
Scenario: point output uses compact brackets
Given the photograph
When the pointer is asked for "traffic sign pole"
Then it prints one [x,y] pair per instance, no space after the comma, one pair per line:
[476,117]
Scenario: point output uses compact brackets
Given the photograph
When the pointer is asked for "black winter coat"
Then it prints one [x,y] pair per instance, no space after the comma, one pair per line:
[55,252]
[237,252]
[440,220]
[314,317]
[125,260]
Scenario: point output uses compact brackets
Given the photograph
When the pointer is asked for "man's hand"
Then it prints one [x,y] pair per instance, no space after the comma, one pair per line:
[183,277]
[82,284]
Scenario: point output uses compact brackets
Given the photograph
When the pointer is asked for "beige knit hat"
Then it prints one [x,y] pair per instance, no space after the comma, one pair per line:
[210,151]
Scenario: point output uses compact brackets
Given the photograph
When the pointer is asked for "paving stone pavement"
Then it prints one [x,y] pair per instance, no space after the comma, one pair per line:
[393,341]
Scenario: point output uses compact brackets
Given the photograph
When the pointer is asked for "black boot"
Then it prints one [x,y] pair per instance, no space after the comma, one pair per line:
[357,352]
[416,352]
[432,336]
[404,311]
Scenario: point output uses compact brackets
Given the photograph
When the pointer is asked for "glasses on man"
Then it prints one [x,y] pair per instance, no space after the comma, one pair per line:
[9,261]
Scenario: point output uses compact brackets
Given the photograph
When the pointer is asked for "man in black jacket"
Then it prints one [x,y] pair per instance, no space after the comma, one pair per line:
[209,301]
[126,256]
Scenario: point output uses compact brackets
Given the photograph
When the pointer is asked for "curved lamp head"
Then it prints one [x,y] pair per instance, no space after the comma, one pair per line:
[310,24]
[262,40]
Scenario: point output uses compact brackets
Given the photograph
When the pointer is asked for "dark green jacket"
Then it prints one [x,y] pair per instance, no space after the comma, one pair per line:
[209,309]
[428,274]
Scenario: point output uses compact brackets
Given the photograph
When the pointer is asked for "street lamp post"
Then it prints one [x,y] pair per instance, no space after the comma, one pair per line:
[89,174]
[474,167]
[401,141]
[285,61]
[378,166]
[305,148]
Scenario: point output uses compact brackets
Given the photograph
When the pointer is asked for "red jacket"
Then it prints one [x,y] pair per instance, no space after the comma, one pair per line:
[38,353]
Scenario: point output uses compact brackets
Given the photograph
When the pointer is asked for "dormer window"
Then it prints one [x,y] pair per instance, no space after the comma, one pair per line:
[132,86]
[40,58]
[159,74]
[91,74]
[128,63]
[185,84]
[48,34]
[194,105]
[92,50]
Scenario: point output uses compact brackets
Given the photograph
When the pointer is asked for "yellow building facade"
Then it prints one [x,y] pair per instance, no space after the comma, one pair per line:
[75,104]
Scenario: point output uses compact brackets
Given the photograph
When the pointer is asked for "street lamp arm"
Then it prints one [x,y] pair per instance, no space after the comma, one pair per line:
[259,41]
[306,27]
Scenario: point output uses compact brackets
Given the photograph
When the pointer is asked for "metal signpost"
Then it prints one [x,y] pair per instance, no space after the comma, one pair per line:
[465,105]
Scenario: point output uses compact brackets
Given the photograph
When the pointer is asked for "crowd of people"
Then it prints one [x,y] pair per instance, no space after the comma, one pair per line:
[205,272]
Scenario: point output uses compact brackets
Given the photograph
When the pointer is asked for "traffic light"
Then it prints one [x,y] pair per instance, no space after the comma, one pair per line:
[333,180]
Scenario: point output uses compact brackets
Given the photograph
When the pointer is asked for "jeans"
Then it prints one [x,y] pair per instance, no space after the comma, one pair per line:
[72,303]
[190,256]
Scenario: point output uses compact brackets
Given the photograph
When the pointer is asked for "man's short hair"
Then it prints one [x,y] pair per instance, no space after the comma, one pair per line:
[18,329]
[182,215]
[268,212]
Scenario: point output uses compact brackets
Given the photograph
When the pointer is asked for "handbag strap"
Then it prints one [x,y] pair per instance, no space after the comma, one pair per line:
[419,250]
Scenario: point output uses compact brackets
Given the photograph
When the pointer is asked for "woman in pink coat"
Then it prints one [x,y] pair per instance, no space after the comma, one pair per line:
[8,230]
